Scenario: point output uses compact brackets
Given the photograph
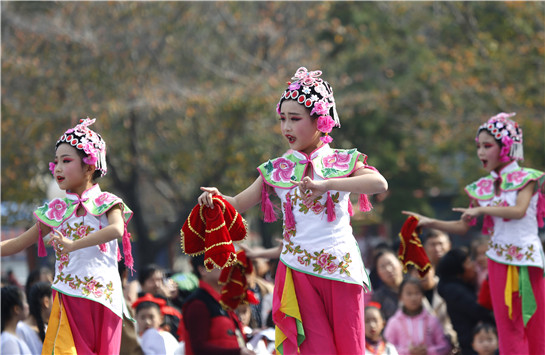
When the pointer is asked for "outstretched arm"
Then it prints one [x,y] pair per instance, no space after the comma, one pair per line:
[510,212]
[362,181]
[242,202]
[459,227]
[114,230]
[270,253]
[23,241]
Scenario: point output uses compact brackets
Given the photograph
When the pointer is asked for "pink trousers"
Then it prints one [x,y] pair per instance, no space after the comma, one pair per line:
[513,336]
[332,313]
[95,328]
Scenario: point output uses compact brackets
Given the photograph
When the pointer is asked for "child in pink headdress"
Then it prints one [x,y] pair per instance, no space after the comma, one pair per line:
[86,317]
[512,201]
[320,282]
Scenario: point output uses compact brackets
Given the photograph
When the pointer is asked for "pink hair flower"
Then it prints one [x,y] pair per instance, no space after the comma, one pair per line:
[320,108]
[91,160]
[507,142]
[326,139]
[325,124]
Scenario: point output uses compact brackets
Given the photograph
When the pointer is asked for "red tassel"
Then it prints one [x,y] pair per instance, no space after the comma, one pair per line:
[102,247]
[267,208]
[41,246]
[289,220]
[541,210]
[118,254]
[488,224]
[127,249]
[331,216]
[365,204]
[350,208]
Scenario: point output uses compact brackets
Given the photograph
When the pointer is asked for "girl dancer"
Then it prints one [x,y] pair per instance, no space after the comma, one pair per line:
[87,308]
[512,201]
[318,300]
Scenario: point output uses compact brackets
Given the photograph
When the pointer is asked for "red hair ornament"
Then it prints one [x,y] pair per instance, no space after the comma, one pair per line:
[212,231]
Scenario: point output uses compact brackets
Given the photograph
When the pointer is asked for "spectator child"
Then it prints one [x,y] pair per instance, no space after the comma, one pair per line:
[14,309]
[412,329]
[149,318]
[32,330]
[374,325]
[485,339]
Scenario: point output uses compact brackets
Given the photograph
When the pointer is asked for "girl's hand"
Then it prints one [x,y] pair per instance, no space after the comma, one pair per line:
[62,244]
[468,213]
[206,197]
[311,189]
[423,221]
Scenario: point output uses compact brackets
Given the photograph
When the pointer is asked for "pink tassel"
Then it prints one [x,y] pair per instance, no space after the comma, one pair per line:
[331,216]
[365,204]
[472,222]
[118,255]
[129,262]
[267,207]
[541,210]
[488,225]
[289,220]
[41,246]
[350,208]
[102,247]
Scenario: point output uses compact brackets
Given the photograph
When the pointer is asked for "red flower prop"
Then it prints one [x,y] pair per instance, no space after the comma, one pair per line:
[212,231]
[411,251]
[235,286]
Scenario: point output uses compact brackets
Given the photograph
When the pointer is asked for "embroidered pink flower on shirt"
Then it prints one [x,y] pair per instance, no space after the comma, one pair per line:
[514,252]
[516,176]
[56,211]
[105,197]
[338,161]
[91,286]
[82,231]
[283,170]
[64,259]
[485,186]
[317,208]
[322,260]
[331,268]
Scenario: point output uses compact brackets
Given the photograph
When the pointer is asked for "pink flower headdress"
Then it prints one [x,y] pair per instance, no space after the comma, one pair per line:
[508,133]
[88,141]
[310,90]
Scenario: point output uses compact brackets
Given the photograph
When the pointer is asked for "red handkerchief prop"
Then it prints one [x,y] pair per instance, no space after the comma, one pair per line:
[235,286]
[212,231]
[411,251]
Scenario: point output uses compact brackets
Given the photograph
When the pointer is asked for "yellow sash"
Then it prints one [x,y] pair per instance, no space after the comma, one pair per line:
[58,338]
[290,307]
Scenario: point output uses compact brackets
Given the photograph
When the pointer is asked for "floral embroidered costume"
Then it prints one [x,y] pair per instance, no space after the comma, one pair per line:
[321,276]
[516,261]
[88,304]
